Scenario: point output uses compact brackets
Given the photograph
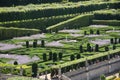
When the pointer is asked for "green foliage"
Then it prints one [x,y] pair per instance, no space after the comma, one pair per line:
[102,77]
[34,69]
[22,13]
[54,57]
[8,33]
[44,57]
[76,22]
[40,23]
[25,2]
[15,63]
[107,22]
[111,14]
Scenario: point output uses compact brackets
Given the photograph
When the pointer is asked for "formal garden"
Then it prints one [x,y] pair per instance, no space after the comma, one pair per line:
[41,37]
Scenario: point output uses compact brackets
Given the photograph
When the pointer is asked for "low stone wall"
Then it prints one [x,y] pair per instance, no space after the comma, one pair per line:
[94,71]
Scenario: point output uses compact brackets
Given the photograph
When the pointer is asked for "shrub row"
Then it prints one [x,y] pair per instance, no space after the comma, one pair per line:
[40,23]
[76,22]
[8,33]
[101,15]
[47,12]
[81,62]
[107,22]
[77,0]
[25,2]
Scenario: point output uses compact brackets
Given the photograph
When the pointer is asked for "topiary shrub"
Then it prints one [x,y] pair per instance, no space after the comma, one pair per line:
[96,47]
[50,55]
[106,48]
[15,63]
[114,47]
[60,56]
[98,32]
[54,57]
[34,69]
[72,57]
[81,49]
[85,32]
[44,57]
[91,31]
[27,44]
[78,56]
[42,43]
[111,41]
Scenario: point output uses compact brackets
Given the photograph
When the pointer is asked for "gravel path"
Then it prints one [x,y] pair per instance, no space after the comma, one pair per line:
[94,35]
[70,31]
[113,31]
[4,46]
[98,26]
[21,59]
[36,36]
[101,42]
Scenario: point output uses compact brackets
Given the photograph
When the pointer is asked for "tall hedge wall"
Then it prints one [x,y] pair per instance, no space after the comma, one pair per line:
[25,2]
[8,33]
[76,22]
[107,22]
[38,13]
[107,16]
[40,23]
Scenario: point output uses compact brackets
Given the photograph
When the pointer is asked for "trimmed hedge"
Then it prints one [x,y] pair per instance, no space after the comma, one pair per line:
[77,0]
[25,2]
[8,33]
[10,14]
[40,23]
[111,52]
[107,22]
[76,22]
[107,15]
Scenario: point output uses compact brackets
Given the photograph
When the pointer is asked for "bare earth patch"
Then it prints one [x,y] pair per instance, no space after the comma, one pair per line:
[21,59]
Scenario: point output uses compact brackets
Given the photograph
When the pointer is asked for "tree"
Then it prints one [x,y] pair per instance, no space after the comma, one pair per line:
[81,49]
[72,57]
[50,55]
[15,63]
[44,57]
[60,56]
[106,48]
[96,47]
[111,41]
[78,56]
[27,44]
[54,57]
[98,32]
[42,43]
[34,69]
